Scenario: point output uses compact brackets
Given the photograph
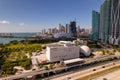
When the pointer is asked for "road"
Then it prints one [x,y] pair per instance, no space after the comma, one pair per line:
[86,72]
[25,74]
[80,69]
[109,76]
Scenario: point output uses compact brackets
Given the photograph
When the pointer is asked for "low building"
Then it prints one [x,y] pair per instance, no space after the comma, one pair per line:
[62,50]
[62,35]
[74,61]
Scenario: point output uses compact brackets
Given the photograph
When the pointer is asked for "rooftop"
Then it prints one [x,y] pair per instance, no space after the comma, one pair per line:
[73,60]
[61,44]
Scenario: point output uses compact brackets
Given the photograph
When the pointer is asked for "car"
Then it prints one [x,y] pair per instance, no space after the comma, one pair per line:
[21,70]
[113,63]
[103,66]
[33,69]
[104,78]
[69,77]
[94,69]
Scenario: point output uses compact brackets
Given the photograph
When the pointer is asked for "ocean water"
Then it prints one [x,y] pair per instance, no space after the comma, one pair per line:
[7,40]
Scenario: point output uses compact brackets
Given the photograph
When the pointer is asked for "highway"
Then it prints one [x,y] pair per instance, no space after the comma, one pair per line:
[80,69]
[24,75]
[94,61]
[109,76]
[86,72]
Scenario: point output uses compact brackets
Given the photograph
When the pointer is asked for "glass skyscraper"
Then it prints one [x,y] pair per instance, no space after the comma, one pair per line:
[105,21]
[73,29]
[109,30]
[95,25]
[115,23]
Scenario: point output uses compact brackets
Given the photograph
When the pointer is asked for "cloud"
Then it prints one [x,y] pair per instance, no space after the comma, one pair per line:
[22,24]
[4,22]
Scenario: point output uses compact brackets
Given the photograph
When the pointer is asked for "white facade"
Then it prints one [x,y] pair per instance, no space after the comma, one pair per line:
[74,60]
[85,50]
[62,51]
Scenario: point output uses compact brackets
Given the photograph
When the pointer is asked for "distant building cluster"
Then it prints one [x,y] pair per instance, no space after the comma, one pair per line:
[106,23]
[6,34]
[68,30]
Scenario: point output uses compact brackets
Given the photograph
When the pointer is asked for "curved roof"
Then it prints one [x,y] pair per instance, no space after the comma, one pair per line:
[85,50]
[73,60]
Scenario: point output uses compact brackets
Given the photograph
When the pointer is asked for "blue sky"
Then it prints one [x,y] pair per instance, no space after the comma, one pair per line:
[34,15]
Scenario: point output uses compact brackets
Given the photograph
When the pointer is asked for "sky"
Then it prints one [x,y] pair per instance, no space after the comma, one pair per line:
[34,15]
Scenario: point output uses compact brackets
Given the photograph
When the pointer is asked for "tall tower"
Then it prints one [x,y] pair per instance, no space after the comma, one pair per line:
[95,25]
[73,30]
[105,21]
[115,22]
[67,28]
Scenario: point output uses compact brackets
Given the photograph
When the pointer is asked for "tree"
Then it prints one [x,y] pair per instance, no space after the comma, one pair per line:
[40,65]
[51,66]
[114,50]
[46,67]
[8,68]
[103,52]
[107,51]
[26,64]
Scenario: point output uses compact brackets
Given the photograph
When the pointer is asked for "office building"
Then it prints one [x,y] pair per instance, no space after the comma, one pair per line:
[73,30]
[65,50]
[43,31]
[105,21]
[67,28]
[49,31]
[115,23]
[62,51]
[95,25]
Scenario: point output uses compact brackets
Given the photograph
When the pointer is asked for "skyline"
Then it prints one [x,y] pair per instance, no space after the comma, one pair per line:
[34,15]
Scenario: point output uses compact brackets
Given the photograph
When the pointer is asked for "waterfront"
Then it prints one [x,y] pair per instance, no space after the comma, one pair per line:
[7,40]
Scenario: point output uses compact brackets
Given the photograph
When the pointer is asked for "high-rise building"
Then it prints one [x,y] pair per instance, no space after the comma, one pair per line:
[67,28]
[105,21]
[78,31]
[95,25]
[61,29]
[115,23]
[55,30]
[73,30]
[43,31]
[49,31]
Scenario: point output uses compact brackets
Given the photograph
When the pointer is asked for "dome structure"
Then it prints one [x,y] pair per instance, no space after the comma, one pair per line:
[85,50]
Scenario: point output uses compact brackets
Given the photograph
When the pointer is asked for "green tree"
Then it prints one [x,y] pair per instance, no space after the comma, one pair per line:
[8,68]
[114,50]
[26,64]
[46,67]
[103,52]
[51,66]
[40,65]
